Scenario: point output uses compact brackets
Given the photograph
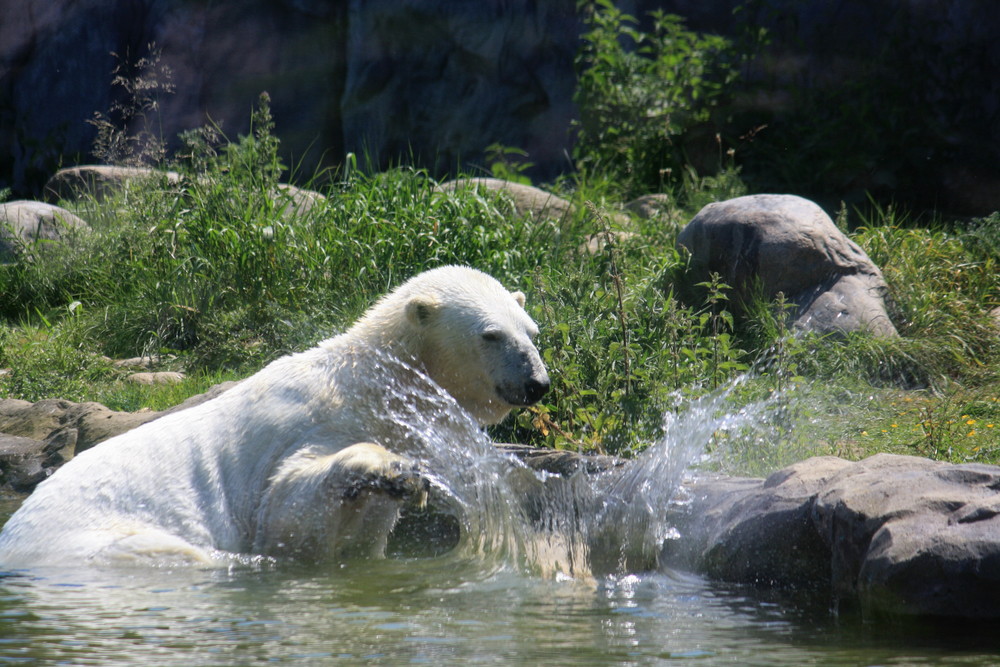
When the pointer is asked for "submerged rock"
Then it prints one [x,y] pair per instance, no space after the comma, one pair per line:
[895,534]
[771,244]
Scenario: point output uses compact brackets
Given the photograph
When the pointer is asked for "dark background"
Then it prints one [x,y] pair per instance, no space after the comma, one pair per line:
[845,97]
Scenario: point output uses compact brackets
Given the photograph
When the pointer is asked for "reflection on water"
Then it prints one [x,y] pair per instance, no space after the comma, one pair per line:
[432,612]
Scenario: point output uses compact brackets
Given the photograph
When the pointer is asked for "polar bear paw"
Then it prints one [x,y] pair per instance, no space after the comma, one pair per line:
[401,480]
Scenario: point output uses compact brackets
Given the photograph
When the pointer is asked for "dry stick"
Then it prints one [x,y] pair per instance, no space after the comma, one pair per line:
[616,278]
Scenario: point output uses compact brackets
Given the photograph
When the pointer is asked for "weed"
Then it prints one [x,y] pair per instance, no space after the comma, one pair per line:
[128,134]
[639,92]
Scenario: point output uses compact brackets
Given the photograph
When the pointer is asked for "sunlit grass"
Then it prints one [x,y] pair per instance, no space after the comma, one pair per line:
[215,277]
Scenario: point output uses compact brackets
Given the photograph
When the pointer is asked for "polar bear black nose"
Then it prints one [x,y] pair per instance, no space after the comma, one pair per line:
[535,389]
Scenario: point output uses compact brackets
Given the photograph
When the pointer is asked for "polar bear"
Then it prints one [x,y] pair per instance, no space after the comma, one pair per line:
[307,458]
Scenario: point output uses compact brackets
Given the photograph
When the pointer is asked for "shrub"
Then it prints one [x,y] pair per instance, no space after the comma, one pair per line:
[640,92]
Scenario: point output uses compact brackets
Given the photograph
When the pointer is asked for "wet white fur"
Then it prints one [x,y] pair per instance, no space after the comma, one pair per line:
[256,470]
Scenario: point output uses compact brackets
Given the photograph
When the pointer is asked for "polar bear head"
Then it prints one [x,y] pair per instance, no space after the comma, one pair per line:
[470,335]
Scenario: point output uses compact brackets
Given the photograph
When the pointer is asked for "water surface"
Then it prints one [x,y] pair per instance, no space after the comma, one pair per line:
[546,570]
[432,612]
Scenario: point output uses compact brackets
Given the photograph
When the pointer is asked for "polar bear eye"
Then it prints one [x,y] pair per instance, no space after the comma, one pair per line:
[492,336]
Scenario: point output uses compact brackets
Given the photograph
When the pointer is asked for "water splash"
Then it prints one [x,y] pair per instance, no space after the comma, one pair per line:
[581,525]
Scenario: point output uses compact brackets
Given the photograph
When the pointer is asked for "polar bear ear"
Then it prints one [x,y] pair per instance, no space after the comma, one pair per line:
[419,309]
[519,297]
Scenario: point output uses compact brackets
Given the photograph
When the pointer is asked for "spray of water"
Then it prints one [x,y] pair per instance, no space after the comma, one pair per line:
[579,525]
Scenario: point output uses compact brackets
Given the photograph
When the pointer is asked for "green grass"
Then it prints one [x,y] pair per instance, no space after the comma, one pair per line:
[215,274]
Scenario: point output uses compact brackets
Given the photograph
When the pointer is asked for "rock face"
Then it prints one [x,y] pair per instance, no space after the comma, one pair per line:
[25,226]
[787,244]
[435,82]
[480,72]
[896,534]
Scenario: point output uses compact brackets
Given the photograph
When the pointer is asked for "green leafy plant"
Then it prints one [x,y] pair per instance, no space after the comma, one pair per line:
[507,163]
[221,274]
[640,91]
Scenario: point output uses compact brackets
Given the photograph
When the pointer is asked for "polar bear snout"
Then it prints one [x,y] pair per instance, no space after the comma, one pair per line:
[535,389]
[529,383]
[528,393]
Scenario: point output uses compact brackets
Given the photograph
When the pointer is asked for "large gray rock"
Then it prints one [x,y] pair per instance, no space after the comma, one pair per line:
[27,226]
[895,534]
[787,244]
[99,180]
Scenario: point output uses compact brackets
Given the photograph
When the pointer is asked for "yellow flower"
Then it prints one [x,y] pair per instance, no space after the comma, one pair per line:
[971,422]
[970,434]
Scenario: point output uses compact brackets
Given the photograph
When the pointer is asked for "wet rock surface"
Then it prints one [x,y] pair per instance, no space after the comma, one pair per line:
[893,534]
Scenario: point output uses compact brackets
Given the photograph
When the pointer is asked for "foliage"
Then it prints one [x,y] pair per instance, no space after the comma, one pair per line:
[507,163]
[227,270]
[640,91]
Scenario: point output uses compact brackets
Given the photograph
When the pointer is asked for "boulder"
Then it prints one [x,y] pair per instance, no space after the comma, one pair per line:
[155,377]
[771,244]
[897,535]
[292,200]
[596,243]
[26,226]
[650,206]
[98,181]
[527,200]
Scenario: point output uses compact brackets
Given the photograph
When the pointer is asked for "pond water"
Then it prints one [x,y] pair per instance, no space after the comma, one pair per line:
[437,612]
[514,567]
